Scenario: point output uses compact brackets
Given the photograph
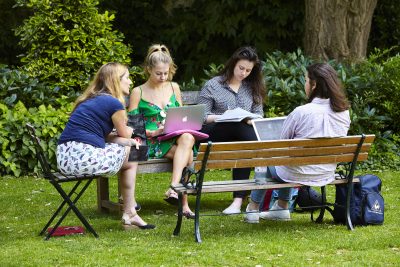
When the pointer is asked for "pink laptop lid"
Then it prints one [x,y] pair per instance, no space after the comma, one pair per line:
[184,118]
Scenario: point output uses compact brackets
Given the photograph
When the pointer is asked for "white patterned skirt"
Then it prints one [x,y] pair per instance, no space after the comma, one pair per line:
[75,158]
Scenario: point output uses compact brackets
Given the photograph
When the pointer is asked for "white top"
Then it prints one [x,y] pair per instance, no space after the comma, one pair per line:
[313,120]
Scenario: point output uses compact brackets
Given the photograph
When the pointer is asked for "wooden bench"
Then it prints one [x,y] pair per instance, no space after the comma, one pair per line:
[104,204]
[226,155]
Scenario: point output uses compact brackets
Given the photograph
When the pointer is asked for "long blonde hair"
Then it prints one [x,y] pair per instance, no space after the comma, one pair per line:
[159,53]
[108,81]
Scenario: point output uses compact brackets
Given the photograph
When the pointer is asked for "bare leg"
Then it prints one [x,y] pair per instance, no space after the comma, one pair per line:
[182,156]
[127,177]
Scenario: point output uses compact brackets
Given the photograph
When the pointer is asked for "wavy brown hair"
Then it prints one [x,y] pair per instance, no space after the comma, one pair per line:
[108,81]
[327,85]
[255,78]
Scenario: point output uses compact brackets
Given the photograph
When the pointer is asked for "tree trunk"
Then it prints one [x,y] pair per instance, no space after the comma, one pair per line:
[337,29]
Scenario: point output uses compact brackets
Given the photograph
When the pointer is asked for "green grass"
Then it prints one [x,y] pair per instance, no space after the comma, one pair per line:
[27,203]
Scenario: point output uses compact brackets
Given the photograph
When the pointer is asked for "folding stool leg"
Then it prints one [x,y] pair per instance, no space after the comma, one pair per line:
[74,208]
[60,208]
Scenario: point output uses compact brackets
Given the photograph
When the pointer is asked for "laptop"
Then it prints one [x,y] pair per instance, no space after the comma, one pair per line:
[268,128]
[184,118]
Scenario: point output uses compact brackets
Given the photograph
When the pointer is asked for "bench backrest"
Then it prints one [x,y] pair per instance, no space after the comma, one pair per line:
[225,155]
[190,97]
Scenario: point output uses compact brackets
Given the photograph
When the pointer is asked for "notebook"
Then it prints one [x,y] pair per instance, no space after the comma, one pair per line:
[268,128]
[184,118]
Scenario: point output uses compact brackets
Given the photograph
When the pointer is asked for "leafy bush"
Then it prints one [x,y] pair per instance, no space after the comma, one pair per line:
[17,85]
[17,155]
[67,41]
[197,39]
[284,78]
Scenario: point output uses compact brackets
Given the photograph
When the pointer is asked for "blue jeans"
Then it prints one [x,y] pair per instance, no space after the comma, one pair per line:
[284,193]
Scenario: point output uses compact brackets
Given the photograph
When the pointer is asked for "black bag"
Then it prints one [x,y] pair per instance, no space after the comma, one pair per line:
[366,202]
[308,199]
[139,133]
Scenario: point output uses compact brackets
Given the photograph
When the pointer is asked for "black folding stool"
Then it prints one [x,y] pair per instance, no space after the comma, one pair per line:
[56,179]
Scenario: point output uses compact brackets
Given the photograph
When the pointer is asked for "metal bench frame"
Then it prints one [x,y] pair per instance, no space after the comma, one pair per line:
[350,149]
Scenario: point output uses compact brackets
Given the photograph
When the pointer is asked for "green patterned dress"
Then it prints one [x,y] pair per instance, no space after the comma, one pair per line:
[154,116]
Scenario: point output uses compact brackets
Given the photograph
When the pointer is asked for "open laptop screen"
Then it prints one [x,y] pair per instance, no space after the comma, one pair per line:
[268,128]
[184,118]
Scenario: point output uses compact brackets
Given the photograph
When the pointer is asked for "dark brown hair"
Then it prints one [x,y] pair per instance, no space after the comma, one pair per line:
[255,78]
[327,85]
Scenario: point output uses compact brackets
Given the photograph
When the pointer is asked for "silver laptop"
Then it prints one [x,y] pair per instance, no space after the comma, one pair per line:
[268,128]
[184,118]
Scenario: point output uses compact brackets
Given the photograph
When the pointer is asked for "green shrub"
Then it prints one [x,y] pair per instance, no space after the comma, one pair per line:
[17,85]
[17,155]
[67,41]
[284,78]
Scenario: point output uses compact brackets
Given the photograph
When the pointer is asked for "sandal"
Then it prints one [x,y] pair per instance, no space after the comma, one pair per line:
[171,197]
[128,223]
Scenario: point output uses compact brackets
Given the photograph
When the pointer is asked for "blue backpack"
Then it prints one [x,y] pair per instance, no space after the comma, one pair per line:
[366,203]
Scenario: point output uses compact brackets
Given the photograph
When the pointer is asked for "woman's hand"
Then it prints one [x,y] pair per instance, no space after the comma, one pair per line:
[154,133]
[211,118]
[135,142]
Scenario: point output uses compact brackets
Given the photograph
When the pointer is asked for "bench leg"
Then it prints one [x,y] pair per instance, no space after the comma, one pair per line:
[177,229]
[197,218]
[322,210]
[348,218]
[102,193]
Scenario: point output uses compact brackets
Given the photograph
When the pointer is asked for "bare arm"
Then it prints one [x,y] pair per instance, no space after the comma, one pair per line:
[177,92]
[124,132]
[134,98]
[119,121]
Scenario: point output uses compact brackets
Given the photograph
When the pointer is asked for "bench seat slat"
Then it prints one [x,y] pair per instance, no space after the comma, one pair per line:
[278,161]
[232,186]
[155,166]
[249,145]
[276,152]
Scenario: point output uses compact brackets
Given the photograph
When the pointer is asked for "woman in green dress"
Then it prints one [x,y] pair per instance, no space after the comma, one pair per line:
[153,99]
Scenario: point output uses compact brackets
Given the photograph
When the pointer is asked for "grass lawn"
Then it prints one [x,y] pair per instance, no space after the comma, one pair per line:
[27,203]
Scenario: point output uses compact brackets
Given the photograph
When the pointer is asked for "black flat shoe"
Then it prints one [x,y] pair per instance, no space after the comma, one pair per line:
[147,226]
[189,214]
[172,200]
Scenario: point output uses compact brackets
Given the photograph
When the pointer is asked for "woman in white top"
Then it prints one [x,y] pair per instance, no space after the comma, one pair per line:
[325,115]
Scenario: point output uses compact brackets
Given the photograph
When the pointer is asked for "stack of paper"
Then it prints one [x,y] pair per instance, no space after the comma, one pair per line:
[236,115]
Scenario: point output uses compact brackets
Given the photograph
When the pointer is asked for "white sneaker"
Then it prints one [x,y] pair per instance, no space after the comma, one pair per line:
[252,217]
[231,210]
[275,213]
